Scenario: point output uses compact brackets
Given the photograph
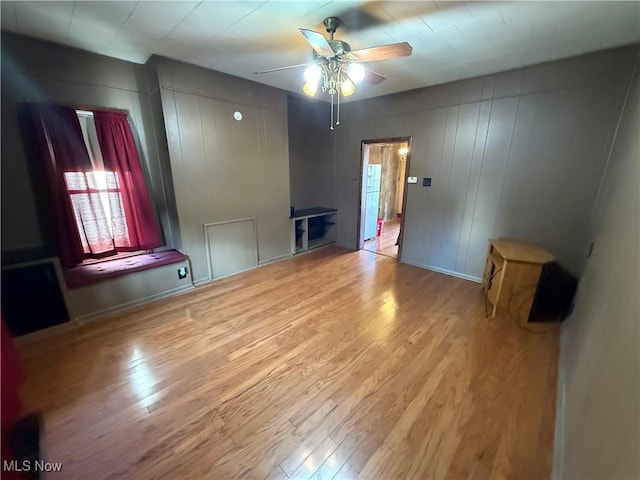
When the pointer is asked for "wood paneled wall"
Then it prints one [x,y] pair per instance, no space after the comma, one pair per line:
[599,386]
[223,169]
[45,72]
[518,154]
[311,154]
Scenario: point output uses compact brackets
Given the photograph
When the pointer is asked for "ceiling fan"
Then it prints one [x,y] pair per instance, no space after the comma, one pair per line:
[336,68]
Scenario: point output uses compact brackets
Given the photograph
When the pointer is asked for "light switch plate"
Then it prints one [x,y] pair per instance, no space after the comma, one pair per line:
[412,179]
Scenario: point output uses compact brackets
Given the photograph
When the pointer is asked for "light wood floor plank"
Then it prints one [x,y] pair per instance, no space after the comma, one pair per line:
[332,365]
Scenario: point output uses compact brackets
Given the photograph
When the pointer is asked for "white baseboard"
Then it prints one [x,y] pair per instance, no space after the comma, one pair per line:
[446,272]
[81,319]
[316,248]
[201,281]
[262,263]
[279,258]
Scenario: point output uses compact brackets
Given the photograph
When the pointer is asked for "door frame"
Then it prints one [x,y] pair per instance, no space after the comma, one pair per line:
[363,143]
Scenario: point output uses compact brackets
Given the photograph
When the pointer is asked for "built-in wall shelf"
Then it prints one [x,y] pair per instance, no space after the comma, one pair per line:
[312,228]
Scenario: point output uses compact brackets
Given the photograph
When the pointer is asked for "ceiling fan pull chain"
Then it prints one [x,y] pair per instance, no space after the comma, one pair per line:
[331,127]
[338,116]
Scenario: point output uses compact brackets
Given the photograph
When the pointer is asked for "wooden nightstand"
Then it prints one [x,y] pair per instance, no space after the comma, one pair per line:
[511,276]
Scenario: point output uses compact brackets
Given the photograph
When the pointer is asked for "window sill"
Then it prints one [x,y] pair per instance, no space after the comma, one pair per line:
[92,273]
[119,256]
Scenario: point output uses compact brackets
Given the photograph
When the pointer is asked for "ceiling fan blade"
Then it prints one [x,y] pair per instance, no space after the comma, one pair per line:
[300,65]
[373,78]
[383,52]
[317,42]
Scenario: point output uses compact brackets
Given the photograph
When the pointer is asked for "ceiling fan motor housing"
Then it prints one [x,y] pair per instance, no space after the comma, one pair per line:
[339,47]
[332,24]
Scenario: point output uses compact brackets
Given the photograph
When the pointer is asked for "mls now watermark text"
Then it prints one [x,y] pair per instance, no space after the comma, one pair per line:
[31,466]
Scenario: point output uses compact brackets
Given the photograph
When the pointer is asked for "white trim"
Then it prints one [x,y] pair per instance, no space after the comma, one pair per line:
[319,247]
[205,227]
[201,281]
[271,260]
[81,319]
[314,215]
[262,263]
[322,243]
[464,276]
[232,274]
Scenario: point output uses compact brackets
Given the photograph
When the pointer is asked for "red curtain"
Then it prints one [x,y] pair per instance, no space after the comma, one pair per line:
[121,156]
[100,206]
[62,149]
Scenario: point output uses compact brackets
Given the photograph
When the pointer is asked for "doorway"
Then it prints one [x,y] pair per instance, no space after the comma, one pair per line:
[384,166]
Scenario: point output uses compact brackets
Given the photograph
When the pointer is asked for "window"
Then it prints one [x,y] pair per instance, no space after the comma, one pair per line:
[98,192]
[96,198]
[99,198]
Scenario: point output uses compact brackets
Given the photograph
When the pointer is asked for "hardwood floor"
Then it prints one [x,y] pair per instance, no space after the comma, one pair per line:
[333,365]
[385,244]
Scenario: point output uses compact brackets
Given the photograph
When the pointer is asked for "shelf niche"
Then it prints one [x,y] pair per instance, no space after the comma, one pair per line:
[312,228]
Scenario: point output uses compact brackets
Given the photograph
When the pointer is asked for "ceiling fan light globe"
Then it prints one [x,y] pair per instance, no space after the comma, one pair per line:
[310,88]
[355,72]
[347,87]
[312,74]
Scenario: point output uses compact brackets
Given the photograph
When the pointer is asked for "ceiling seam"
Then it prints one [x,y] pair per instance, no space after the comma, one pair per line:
[244,16]
[181,21]
[73,11]
[121,27]
[314,10]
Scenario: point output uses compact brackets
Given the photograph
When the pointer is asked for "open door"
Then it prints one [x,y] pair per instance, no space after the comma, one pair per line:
[383,180]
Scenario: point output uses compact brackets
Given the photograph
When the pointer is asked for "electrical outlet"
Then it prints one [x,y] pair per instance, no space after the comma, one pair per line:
[182,272]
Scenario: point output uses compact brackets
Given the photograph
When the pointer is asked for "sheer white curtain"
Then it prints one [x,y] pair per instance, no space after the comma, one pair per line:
[96,198]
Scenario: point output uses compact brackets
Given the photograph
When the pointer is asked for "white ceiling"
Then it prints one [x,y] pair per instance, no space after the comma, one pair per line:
[451,40]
